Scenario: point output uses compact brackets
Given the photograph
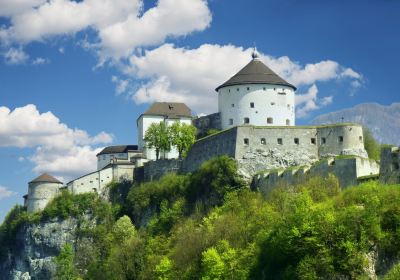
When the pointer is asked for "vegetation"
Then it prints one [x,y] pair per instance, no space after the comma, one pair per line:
[208,225]
[371,145]
[162,138]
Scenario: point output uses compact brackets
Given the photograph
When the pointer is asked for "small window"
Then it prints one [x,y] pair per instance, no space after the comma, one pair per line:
[246,141]
[288,106]
[282,93]
[361,139]
[313,141]
[323,140]
[264,88]
[272,103]
[270,120]
[94,190]
[91,181]
[229,90]
[248,88]
[280,141]
[296,141]
[233,105]
[230,121]
[263,142]
[237,89]
[396,166]
[340,139]
[287,122]
[251,104]
[246,120]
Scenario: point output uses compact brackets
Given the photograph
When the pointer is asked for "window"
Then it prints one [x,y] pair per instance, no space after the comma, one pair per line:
[272,103]
[246,141]
[251,104]
[246,120]
[288,106]
[287,122]
[296,141]
[248,88]
[340,139]
[313,141]
[237,89]
[282,93]
[264,88]
[230,121]
[270,120]
[280,141]
[361,139]
[233,105]
[263,142]
[395,166]
[229,90]
[323,140]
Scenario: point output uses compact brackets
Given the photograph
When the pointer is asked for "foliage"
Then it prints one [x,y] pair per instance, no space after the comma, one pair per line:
[371,145]
[65,264]
[393,274]
[212,131]
[182,137]
[157,137]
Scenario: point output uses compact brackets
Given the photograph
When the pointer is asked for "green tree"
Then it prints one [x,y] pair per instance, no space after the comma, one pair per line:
[163,269]
[65,264]
[157,137]
[371,145]
[212,264]
[182,137]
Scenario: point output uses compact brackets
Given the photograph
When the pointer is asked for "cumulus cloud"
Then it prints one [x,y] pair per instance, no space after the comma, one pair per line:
[5,192]
[190,75]
[59,149]
[15,56]
[121,25]
[309,102]
[121,85]
[40,61]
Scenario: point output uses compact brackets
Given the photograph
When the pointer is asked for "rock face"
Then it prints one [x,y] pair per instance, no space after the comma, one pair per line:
[36,246]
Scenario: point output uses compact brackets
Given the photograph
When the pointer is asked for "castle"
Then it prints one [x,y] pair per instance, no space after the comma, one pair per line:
[256,124]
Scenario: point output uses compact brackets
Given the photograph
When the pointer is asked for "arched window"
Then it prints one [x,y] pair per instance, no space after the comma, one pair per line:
[270,121]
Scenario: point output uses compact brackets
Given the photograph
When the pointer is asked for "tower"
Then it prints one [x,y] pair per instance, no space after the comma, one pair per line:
[256,95]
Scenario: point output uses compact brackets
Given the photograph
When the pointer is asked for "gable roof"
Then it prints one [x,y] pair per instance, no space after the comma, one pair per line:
[255,72]
[169,109]
[118,149]
[45,178]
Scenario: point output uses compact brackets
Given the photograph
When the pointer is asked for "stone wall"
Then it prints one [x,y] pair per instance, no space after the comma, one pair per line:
[347,170]
[205,123]
[40,194]
[390,165]
[154,170]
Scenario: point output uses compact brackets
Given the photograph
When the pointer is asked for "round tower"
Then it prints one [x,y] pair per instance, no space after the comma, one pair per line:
[256,96]
[41,191]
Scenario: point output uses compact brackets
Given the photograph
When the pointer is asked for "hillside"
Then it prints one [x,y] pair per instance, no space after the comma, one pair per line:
[208,225]
[383,121]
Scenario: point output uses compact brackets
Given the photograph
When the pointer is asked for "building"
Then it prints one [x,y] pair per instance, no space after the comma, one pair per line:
[117,154]
[256,95]
[168,112]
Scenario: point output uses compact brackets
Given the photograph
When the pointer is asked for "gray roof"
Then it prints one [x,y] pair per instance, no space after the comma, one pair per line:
[45,178]
[255,72]
[118,149]
[169,109]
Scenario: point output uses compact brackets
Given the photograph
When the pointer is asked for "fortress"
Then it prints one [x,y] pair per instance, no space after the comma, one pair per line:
[256,127]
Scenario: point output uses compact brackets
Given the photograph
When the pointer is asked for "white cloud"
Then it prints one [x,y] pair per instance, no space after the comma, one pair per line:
[121,84]
[190,75]
[61,50]
[40,61]
[121,25]
[309,102]
[59,149]
[15,56]
[5,192]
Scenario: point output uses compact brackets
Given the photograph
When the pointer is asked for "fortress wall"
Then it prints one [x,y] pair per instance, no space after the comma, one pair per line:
[93,182]
[123,173]
[205,123]
[40,194]
[154,170]
[343,139]
[223,143]
[390,165]
[347,170]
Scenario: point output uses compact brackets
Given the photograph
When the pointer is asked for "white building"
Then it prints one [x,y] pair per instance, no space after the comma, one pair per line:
[167,112]
[256,96]
[118,154]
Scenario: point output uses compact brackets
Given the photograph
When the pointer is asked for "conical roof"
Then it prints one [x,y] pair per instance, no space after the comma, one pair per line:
[256,72]
[45,178]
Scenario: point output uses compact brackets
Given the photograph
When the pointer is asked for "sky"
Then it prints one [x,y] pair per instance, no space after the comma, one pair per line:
[75,75]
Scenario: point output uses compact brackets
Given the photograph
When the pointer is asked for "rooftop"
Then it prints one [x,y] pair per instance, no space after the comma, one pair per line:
[118,149]
[169,109]
[255,72]
[45,178]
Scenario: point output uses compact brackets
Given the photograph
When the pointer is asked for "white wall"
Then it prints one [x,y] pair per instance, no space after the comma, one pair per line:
[144,123]
[105,159]
[40,194]
[234,104]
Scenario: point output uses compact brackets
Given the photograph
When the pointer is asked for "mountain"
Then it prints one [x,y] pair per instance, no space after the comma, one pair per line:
[383,121]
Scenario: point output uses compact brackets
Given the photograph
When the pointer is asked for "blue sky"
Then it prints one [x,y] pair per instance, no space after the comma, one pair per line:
[75,75]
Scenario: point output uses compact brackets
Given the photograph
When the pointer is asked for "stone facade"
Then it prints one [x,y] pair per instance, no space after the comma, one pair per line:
[154,170]
[40,194]
[390,165]
[205,123]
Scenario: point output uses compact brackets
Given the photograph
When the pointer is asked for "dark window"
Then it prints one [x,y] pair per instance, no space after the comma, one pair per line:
[340,139]
[237,89]
[246,120]
[251,104]
[246,141]
[361,138]
[313,141]
[280,141]
[229,90]
[264,88]
[323,140]
[263,142]
[248,88]
[296,141]
[282,93]
[396,166]
[230,121]
[270,120]
[272,103]
[287,122]
[233,105]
